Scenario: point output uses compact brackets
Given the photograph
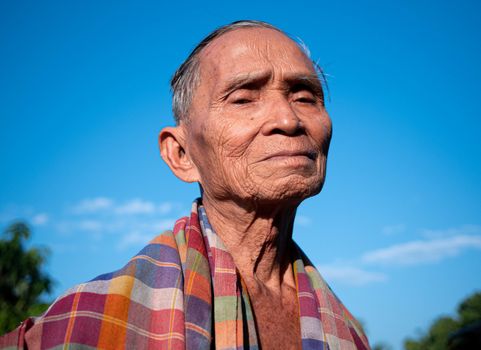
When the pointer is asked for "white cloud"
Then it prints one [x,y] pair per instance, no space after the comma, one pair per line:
[303,221]
[107,206]
[14,213]
[40,219]
[349,275]
[136,206]
[134,238]
[164,208]
[453,231]
[422,251]
[95,229]
[393,229]
[161,225]
[93,205]
[90,225]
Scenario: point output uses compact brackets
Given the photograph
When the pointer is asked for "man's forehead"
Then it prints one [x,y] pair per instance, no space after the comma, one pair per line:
[241,50]
[255,42]
[230,38]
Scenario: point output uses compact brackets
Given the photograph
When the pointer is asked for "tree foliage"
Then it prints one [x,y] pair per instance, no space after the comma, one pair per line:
[381,346]
[470,310]
[22,281]
[461,332]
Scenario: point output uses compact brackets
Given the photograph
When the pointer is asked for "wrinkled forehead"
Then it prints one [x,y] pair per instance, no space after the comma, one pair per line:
[249,50]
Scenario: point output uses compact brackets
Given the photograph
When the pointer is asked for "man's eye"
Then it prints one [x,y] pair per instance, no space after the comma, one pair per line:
[241,101]
[243,96]
[305,98]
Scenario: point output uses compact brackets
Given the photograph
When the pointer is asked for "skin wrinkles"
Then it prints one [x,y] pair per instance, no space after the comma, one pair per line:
[256,139]
[241,181]
[233,148]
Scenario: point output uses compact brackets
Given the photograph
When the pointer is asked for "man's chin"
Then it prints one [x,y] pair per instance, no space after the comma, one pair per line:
[289,193]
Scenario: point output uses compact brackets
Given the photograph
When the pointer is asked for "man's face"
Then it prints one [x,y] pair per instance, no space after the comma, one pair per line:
[257,130]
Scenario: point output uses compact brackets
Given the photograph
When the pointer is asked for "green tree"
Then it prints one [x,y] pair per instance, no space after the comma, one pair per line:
[452,333]
[470,310]
[381,346]
[22,281]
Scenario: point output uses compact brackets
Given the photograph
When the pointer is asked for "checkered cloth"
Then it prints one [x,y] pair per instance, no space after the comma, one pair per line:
[182,291]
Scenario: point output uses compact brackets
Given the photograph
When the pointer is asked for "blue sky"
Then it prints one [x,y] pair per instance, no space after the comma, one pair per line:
[397,229]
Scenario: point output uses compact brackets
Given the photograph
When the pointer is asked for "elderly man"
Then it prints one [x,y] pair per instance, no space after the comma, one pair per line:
[253,131]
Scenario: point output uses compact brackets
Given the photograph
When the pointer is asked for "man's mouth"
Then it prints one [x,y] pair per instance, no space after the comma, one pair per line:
[291,154]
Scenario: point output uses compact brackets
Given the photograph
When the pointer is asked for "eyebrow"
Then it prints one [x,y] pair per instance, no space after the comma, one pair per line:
[311,81]
[247,80]
[254,80]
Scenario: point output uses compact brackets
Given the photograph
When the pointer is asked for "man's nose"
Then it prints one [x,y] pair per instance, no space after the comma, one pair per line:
[282,118]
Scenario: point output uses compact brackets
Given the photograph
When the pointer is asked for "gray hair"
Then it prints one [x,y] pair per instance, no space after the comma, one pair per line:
[187,77]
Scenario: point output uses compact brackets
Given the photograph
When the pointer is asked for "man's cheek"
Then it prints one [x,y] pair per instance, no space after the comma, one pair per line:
[237,146]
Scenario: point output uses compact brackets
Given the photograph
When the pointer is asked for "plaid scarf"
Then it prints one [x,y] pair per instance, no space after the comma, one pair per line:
[182,291]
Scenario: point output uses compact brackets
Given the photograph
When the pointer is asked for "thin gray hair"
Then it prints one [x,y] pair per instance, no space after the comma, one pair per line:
[186,78]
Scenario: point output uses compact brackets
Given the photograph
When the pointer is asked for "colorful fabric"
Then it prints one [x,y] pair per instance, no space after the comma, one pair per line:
[182,291]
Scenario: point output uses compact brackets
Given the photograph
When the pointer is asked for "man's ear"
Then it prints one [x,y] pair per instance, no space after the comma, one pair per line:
[172,149]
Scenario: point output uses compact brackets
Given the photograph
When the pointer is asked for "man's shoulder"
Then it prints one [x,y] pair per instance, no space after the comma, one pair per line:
[343,325]
[159,258]
[148,282]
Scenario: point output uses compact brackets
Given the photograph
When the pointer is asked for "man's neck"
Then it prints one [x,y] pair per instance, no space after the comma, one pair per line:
[258,243]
